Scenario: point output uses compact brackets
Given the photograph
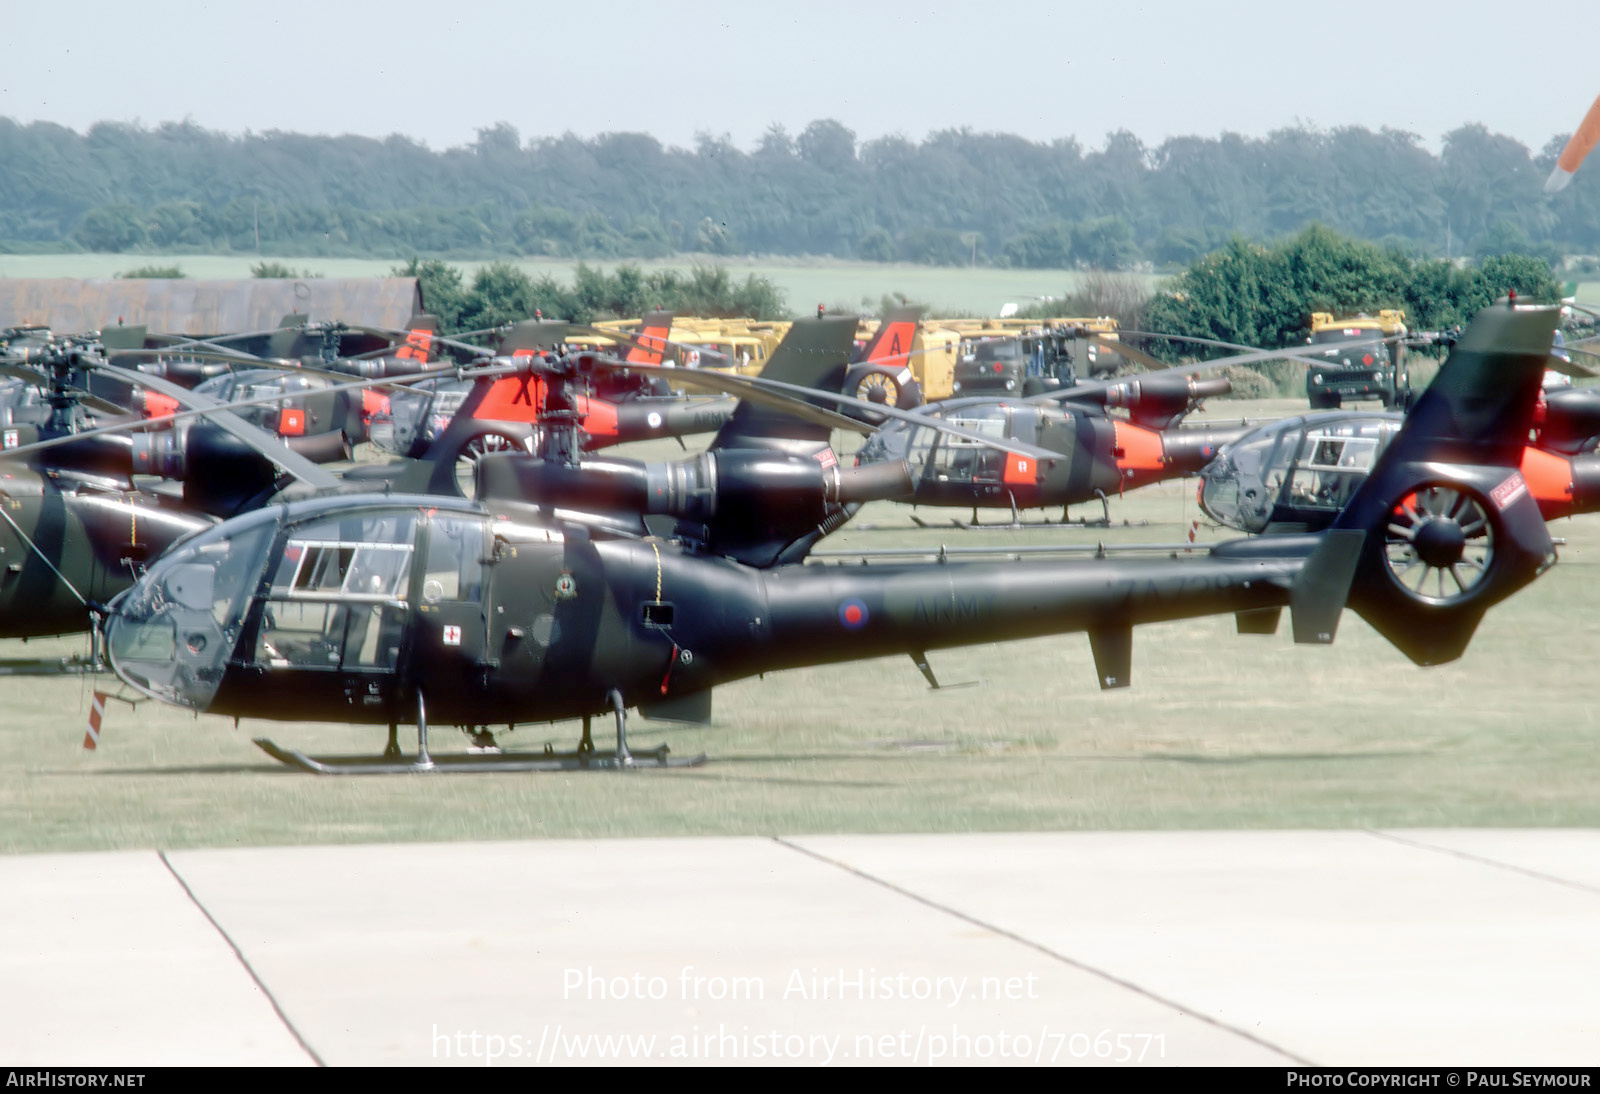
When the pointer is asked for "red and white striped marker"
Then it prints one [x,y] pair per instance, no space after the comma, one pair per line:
[1194,526]
[91,736]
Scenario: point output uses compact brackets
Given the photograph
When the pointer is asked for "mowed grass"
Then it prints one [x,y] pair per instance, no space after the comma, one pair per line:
[1218,731]
[838,285]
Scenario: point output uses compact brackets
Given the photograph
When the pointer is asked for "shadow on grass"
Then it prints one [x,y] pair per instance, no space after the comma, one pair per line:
[708,771]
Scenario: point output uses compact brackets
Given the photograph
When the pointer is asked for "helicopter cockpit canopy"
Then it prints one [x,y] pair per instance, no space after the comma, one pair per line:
[418,414]
[258,384]
[324,585]
[1298,471]
[171,634]
[943,456]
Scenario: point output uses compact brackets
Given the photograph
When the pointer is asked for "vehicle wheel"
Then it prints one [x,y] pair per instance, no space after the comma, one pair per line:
[475,449]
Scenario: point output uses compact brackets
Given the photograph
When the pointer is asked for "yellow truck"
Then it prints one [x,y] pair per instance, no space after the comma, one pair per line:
[1362,358]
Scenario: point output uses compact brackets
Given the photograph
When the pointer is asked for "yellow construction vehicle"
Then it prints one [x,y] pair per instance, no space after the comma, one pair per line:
[1365,359]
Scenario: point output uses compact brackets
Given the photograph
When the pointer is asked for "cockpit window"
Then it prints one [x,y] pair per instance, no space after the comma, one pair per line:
[455,559]
[366,558]
[962,459]
[340,595]
[1334,460]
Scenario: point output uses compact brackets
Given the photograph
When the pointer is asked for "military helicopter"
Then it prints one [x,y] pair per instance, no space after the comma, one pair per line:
[228,466]
[1096,454]
[635,401]
[323,417]
[386,609]
[74,528]
[1296,473]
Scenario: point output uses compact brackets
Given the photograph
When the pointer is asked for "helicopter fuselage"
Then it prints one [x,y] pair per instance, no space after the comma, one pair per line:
[1100,454]
[345,610]
[69,538]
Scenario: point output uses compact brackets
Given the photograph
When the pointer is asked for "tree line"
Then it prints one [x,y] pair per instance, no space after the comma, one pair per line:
[957,197]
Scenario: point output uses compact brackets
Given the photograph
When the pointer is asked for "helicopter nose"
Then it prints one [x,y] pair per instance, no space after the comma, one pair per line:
[171,634]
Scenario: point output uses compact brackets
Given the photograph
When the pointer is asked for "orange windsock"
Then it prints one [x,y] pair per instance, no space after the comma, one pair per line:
[1581,144]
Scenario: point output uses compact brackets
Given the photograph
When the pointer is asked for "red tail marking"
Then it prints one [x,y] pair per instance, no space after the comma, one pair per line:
[893,344]
[97,711]
[419,343]
[655,338]
[513,399]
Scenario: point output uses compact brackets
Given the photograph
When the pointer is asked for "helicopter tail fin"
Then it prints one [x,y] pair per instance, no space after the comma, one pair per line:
[654,330]
[815,353]
[884,373]
[1444,527]
[891,346]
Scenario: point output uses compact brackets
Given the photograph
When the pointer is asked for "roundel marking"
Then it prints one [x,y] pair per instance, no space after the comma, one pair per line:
[853,614]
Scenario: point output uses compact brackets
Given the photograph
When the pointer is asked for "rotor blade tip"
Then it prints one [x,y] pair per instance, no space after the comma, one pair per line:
[1557,181]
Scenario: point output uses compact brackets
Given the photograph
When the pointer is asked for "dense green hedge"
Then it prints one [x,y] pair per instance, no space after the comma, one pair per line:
[501,293]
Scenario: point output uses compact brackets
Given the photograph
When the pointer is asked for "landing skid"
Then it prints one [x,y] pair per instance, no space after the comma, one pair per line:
[486,755]
[1016,522]
[976,526]
[466,763]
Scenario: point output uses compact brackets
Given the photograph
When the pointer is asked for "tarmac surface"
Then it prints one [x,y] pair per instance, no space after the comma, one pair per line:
[1446,948]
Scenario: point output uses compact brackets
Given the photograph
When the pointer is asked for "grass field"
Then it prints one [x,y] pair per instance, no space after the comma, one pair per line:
[1218,731]
[841,286]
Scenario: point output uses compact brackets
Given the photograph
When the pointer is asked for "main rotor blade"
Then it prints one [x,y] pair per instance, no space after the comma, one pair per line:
[1079,391]
[25,374]
[1127,352]
[741,385]
[1572,368]
[233,357]
[39,380]
[745,388]
[651,343]
[262,400]
[186,340]
[434,339]
[94,402]
[1578,146]
[1242,348]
